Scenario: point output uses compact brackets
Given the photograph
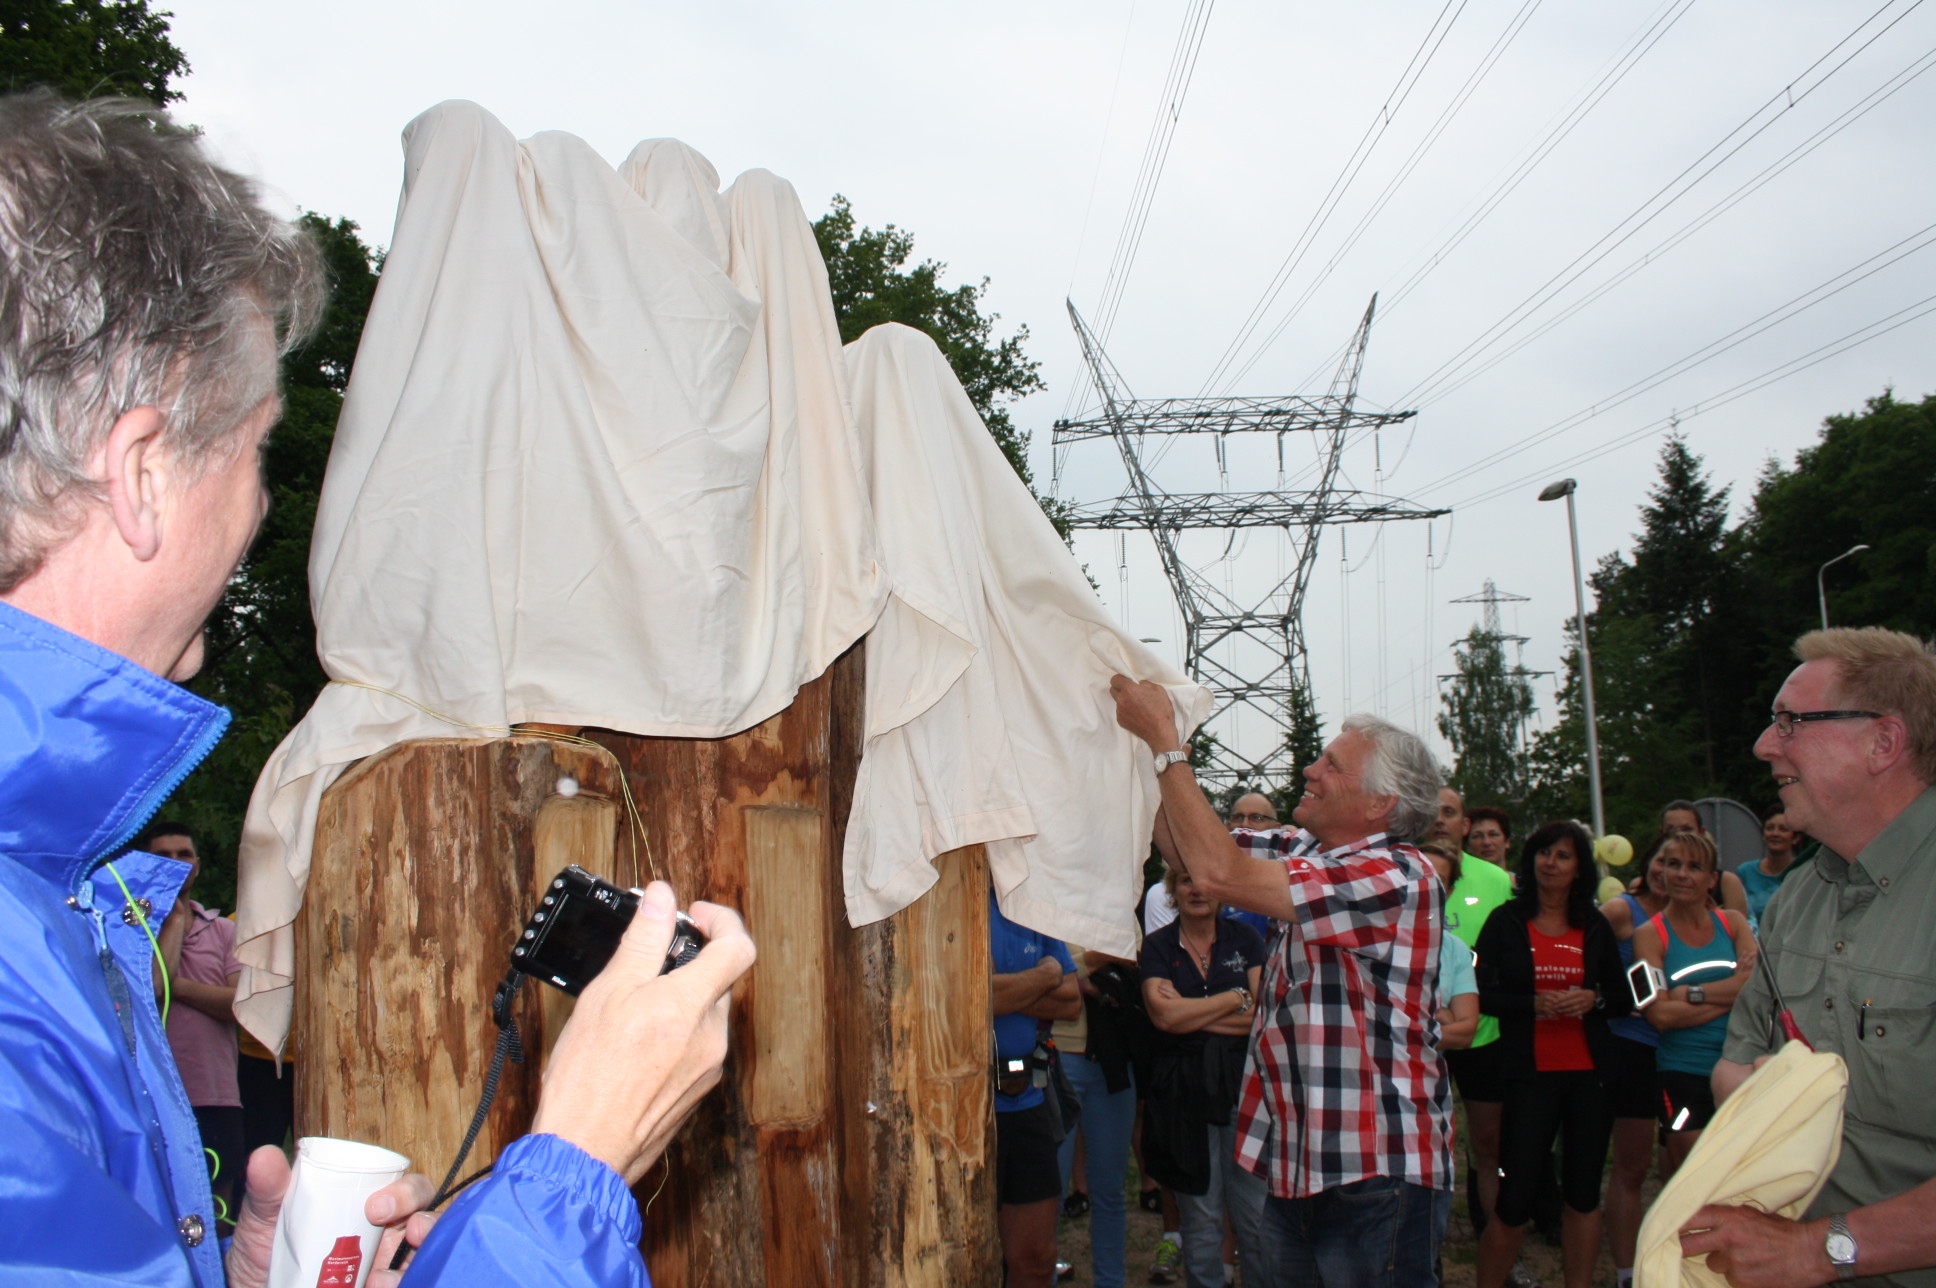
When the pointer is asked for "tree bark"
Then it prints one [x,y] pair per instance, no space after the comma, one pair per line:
[851,1141]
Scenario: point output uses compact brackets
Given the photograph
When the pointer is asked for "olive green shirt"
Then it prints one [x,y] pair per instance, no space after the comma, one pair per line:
[1852,947]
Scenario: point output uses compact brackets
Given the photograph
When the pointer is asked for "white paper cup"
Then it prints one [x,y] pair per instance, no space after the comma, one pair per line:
[322,1238]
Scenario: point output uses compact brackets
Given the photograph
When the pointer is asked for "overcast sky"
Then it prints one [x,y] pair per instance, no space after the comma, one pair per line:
[1008,138]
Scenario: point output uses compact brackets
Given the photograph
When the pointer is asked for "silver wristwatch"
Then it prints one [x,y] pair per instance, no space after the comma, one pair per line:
[1696,994]
[1840,1246]
[1164,759]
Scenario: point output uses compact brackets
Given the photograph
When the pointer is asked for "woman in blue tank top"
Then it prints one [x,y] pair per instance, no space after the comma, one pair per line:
[1706,954]
[1634,1094]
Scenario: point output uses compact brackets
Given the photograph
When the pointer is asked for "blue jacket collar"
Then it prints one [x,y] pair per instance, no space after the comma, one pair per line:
[90,746]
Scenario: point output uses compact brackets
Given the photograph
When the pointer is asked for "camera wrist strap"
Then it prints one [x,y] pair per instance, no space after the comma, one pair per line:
[510,1046]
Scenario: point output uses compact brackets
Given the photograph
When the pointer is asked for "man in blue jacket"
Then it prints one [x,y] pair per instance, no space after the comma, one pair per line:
[144,295]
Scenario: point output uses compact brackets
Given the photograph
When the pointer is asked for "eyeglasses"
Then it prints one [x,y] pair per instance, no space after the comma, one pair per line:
[1785,721]
[1246,820]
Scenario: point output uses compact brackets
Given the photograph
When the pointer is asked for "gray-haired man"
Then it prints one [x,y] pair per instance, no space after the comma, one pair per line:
[1852,746]
[144,294]
[1345,1108]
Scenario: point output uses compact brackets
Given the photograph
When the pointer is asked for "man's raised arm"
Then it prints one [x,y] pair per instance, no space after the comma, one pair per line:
[1187,828]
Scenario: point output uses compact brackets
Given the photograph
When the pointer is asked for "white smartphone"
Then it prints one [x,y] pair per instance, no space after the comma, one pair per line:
[1647,982]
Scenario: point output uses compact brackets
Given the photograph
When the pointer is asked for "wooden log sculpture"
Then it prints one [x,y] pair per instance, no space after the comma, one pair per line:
[851,1141]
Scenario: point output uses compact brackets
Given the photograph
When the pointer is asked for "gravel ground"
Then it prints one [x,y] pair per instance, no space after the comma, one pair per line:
[1145,1228]
[1541,1258]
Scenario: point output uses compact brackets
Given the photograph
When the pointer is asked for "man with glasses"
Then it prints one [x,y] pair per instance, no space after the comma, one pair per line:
[1852,745]
[1479,885]
[1252,811]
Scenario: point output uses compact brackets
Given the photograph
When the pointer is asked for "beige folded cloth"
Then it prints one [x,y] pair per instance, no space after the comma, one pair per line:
[1771,1146]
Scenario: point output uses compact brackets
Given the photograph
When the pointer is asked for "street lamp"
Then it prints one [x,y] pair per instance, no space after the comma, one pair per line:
[1553,492]
[1821,590]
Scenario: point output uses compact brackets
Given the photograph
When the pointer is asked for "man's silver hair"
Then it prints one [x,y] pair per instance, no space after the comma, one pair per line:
[133,272]
[1402,766]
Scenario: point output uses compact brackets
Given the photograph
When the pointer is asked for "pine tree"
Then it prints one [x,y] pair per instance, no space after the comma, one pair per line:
[1667,633]
[1486,707]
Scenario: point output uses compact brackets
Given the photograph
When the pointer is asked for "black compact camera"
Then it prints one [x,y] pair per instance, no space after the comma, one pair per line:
[576,929]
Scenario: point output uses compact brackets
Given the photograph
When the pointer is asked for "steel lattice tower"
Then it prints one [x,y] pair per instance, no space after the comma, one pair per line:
[1223,635]
[1492,597]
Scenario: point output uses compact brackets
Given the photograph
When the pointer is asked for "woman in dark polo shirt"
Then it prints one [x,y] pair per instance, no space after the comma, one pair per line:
[1200,975]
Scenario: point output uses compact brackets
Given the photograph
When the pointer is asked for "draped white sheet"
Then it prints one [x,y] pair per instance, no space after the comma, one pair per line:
[988,710]
[595,466]
[598,465]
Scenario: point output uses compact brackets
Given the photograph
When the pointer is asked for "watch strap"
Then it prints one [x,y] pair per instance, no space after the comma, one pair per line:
[1840,1247]
[1164,759]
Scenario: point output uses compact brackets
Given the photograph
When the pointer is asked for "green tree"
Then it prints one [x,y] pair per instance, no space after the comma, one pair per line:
[1693,634]
[1648,754]
[1486,707]
[88,48]
[1305,742]
[867,271]
[1685,577]
[1667,632]
[1556,758]
[261,661]
[1869,479]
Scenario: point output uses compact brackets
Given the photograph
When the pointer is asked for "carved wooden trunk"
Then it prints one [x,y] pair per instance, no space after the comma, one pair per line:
[851,1141]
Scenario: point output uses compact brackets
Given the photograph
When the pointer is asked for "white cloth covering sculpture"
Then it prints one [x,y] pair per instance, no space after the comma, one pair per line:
[597,466]
[988,710]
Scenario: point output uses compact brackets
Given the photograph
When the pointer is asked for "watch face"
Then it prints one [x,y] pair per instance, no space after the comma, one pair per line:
[1841,1249]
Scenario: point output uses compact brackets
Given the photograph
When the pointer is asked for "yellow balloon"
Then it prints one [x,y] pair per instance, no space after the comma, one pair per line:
[1613,850]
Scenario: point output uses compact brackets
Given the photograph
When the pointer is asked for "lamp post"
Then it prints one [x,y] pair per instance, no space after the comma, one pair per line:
[1553,492]
[1821,588]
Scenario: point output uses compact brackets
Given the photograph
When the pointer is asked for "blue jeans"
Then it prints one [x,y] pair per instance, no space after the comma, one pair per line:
[1233,1192]
[1375,1233]
[1106,1125]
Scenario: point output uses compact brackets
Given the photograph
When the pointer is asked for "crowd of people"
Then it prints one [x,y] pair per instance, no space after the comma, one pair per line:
[1296,1066]
[1291,1095]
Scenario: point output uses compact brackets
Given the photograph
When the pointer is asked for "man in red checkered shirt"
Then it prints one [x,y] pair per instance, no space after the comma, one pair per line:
[1346,1108]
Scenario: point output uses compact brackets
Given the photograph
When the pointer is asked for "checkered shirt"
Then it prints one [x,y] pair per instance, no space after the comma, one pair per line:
[1344,1079]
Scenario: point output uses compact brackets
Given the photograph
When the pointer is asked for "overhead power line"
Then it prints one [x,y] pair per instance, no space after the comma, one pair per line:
[1649,34]
[1638,46]
[1381,121]
[1794,366]
[1088,208]
[1451,110]
[1748,188]
[1778,105]
[1156,152]
[1820,293]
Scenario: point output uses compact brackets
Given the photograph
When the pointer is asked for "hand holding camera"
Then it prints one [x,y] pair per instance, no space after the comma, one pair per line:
[643,1047]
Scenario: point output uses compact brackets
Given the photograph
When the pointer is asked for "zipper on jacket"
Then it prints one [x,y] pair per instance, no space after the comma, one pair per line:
[163,787]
